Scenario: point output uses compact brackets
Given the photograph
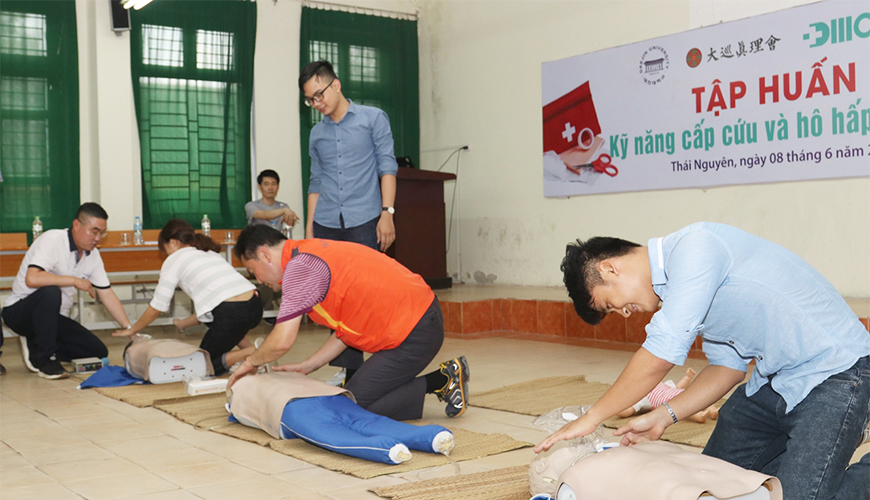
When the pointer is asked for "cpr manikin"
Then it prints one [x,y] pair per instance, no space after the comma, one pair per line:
[659,470]
[288,405]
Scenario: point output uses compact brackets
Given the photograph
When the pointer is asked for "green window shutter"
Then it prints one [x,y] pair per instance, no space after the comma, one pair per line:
[39,114]
[192,66]
[377,62]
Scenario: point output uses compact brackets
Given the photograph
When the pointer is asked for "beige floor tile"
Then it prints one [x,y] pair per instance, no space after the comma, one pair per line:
[302,494]
[110,432]
[178,494]
[70,453]
[39,392]
[270,462]
[22,417]
[50,438]
[65,400]
[79,409]
[360,491]
[132,447]
[203,438]
[27,475]
[267,488]
[66,472]
[13,459]
[11,407]
[205,474]
[319,479]
[83,422]
[46,491]
[119,486]
[184,457]
[443,471]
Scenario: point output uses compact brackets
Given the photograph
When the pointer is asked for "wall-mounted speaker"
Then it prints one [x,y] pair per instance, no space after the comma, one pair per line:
[120,16]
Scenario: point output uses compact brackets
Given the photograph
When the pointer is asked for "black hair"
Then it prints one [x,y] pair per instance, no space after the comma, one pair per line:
[88,210]
[580,268]
[253,237]
[268,173]
[317,68]
[181,230]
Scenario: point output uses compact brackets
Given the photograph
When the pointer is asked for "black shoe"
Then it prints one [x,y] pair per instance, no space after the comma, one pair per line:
[2,370]
[25,354]
[455,392]
[52,370]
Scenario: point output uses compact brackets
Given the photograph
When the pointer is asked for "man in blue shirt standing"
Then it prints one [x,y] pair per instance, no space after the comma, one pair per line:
[802,413]
[353,166]
[352,187]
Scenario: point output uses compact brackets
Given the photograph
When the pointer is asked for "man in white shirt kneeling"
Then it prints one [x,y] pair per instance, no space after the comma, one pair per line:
[58,263]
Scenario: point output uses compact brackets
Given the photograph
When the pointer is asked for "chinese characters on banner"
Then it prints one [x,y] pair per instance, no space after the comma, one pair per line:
[779,97]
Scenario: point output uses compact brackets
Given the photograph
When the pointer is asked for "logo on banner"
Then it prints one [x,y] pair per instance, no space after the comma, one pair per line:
[693,58]
[653,65]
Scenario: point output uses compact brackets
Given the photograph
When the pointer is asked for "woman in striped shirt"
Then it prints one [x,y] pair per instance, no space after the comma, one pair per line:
[222,298]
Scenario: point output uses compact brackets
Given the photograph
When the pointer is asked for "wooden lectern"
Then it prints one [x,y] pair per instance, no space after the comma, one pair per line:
[421,241]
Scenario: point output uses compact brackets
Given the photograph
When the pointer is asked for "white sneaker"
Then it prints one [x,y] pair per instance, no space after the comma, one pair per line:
[338,379]
[25,354]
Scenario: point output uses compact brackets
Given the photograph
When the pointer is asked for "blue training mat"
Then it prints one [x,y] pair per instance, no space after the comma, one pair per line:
[111,376]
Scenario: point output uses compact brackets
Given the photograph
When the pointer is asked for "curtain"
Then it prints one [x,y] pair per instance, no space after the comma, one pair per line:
[39,114]
[377,62]
[193,69]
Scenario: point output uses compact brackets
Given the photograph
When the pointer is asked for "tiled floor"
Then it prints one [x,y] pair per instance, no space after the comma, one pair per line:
[59,442]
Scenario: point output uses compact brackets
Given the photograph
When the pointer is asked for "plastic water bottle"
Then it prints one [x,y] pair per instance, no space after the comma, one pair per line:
[137,232]
[206,225]
[37,227]
[287,230]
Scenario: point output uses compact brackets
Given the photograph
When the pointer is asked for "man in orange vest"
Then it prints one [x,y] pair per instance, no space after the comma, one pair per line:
[373,303]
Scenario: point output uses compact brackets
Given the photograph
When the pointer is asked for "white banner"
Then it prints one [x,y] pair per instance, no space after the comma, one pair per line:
[779,97]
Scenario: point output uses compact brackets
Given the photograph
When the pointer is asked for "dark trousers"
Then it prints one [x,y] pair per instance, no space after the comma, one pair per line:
[387,383]
[365,234]
[232,321]
[807,449]
[37,317]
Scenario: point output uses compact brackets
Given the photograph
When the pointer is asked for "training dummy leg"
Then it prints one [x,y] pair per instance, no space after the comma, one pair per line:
[338,424]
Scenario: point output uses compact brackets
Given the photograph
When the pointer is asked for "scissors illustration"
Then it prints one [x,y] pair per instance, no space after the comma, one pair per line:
[602,165]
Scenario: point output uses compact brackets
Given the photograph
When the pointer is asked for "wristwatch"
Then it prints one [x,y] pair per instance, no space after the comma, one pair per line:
[389,210]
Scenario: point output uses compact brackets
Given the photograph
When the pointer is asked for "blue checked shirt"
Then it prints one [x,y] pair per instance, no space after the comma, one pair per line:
[749,298]
[347,160]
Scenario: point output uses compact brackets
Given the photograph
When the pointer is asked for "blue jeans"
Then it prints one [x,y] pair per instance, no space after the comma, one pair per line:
[809,448]
[364,234]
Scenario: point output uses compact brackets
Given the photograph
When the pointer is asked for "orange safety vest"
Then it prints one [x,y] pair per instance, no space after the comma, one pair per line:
[373,302]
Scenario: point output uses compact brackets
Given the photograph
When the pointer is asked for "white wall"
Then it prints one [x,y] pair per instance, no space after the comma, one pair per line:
[481,85]
[110,162]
